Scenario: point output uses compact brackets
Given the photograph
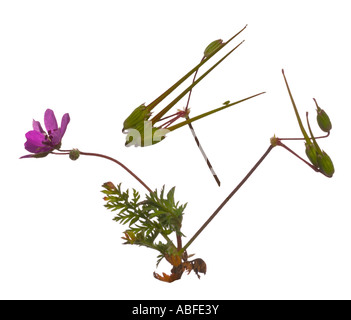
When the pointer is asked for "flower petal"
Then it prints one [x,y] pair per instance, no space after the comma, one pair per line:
[35,137]
[55,137]
[34,142]
[50,120]
[64,123]
[37,126]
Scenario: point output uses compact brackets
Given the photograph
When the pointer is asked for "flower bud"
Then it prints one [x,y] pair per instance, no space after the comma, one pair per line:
[129,235]
[323,119]
[311,153]
[109,186]
[74,154]
[212,47]
[325,164]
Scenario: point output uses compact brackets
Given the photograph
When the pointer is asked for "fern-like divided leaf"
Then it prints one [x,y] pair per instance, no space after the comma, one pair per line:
[147,219]
[168,212]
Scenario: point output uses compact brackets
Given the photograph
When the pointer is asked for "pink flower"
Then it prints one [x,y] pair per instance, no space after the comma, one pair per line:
[40,143]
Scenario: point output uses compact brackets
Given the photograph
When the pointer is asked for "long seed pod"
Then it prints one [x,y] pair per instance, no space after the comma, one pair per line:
[179,82]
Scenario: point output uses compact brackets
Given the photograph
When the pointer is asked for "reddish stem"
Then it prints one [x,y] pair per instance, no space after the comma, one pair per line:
[228,198]
[111,159]
[321,137]
[279,143]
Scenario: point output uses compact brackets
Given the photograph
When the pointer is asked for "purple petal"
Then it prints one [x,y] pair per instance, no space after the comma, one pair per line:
[55,137]
[64,123]
[37,126]
[34,142]
[50,121]
[35,137]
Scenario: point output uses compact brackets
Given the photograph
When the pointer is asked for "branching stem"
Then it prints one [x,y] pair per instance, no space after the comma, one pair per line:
[296,155]
[320,137]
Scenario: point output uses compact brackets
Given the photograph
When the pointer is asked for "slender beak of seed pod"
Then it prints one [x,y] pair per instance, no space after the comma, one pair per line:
[210,51]
[303,131]
[142,113]
[181,124]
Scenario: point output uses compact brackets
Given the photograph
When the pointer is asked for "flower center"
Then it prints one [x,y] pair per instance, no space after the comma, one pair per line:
[48,139]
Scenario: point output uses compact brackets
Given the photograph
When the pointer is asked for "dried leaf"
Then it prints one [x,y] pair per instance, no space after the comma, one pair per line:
[198,265]
[174,260]
[166,277]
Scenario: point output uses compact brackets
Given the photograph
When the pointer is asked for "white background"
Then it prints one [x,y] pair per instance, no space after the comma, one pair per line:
[284,235]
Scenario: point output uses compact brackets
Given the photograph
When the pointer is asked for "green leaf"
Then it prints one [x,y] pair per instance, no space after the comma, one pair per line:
[158,214]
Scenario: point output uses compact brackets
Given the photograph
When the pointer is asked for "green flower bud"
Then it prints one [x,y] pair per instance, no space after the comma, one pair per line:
[311,152]
[213,47]
[139,115]
[109,186]
[74,154]
[325,164]
[323,119]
